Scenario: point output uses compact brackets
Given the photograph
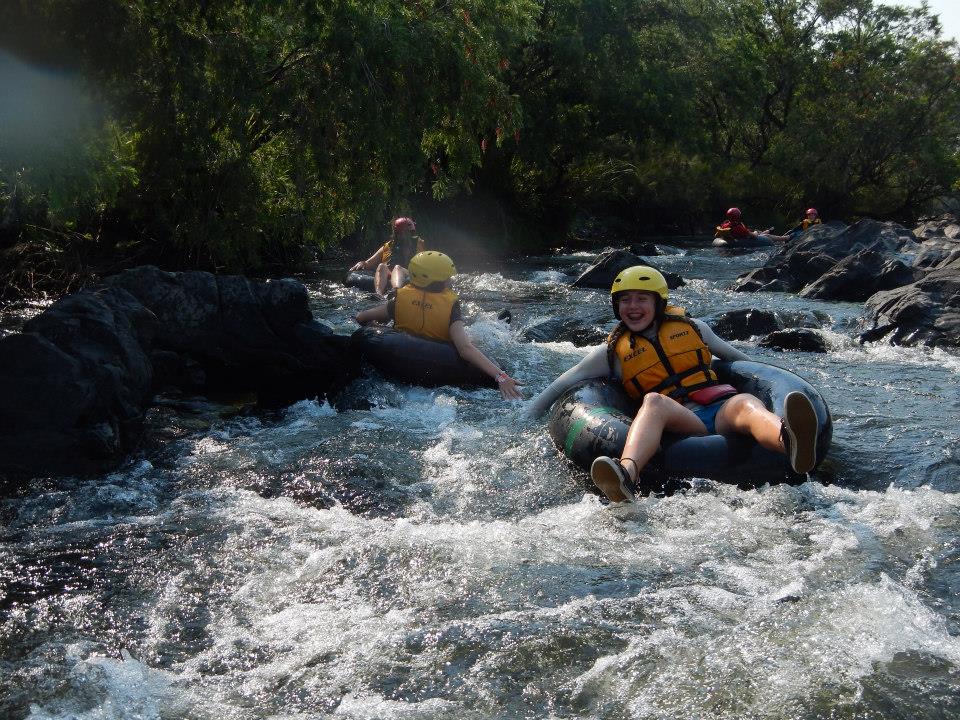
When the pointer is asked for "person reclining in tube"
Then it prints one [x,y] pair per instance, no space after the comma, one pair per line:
[810,217]
[391,258]
[732,229]
[663,360]
[428,308]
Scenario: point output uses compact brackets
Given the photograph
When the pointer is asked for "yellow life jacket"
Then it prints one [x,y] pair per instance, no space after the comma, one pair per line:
[387,251]
[676,363]
[422,313]
[804,224]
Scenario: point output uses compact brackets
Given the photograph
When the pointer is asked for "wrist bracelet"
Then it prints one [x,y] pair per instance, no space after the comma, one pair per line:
[501,377]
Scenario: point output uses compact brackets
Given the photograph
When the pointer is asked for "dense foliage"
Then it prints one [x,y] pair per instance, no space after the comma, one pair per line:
[229,133]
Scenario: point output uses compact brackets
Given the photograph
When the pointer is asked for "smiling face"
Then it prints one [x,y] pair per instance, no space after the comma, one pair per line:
[811,214]
[638,308]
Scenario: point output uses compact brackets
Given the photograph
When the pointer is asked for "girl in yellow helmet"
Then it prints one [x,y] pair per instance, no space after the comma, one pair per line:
[663,360]
[428,308]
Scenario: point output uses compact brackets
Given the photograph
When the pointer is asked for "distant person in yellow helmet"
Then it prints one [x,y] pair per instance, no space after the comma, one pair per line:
[428,308]
[390,261]
[662,357]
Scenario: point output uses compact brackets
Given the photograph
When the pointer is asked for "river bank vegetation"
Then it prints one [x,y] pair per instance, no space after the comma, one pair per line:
[234,135]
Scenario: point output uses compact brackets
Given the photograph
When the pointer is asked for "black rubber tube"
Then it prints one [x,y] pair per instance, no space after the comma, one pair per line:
[361,281]
[410,359]
[593,418]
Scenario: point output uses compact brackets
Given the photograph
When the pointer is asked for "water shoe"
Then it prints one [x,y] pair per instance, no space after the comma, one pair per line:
[612,479]
[799,432]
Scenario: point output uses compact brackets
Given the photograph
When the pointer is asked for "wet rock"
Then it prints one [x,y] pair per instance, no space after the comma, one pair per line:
[751,322]
[173,370]
[563,329]
[858,276]
[803,339]
[651,249]
[802,262]
[746,323]
[926,312]
[74,385]
[611,263]
[244,334]
[946,226]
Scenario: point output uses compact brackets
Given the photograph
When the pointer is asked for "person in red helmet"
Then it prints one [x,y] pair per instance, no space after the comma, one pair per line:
[733,231]
[811,218]
[391,258]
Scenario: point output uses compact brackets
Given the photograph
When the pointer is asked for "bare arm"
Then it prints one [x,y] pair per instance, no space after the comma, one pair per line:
[370,263]
[592,366]
[721,348]
[469,352]
[378,313]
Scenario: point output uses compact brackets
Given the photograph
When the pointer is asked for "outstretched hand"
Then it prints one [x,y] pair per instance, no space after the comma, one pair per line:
[509,389]
[356,266]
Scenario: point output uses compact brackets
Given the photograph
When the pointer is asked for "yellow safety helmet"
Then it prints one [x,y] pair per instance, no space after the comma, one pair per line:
[430,267]
[639,277]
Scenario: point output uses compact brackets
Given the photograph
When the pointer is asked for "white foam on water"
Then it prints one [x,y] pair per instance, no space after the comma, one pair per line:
[880,352]
[126,690]
[550,276]
[309,409]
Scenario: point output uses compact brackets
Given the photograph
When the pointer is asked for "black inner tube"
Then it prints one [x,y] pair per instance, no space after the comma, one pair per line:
[593,418]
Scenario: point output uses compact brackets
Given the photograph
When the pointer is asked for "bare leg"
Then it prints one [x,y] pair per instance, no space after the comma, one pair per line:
[399,276]
[657,414]
[745,414]
[381,279]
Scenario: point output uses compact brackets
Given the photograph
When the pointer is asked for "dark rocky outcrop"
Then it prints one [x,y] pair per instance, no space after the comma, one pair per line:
[926,312]
[858,276]
[244,334]
[803,339]
[75,384]
[602,273]
[820,250]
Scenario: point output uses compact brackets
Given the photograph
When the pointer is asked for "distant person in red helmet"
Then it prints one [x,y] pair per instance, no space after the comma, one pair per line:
[391,259]
[811,218]
[733,232]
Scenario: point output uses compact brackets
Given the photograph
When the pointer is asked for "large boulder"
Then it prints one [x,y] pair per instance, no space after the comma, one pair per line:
[751,322]
[858,276]
[74,385]
[945,226]
[244,334]
[602,273]
[821,248]
[925,312]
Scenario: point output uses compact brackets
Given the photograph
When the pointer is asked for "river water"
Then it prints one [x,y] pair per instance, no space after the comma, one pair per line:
[427,554]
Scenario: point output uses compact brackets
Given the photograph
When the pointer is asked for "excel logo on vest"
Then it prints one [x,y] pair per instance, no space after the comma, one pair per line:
[636,353]
[424,304]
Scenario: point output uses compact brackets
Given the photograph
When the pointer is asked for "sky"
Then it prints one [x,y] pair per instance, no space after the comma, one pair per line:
[948,10]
